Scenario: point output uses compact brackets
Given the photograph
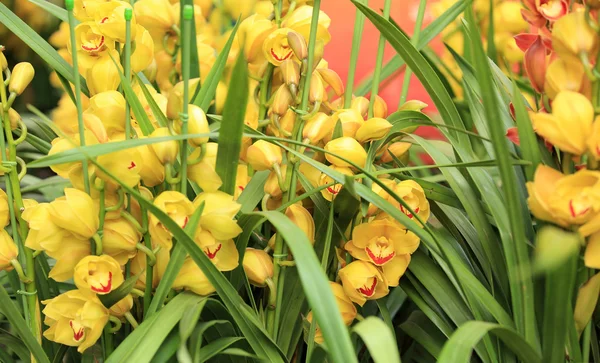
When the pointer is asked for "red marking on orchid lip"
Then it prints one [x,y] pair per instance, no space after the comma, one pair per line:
[289,54]
[77,335]
[94,49]
[103,20]
[379,260]
[212,255]
[573,212]
[598,150]
[185,222]
[332,190]
[104,289]
[369,291]
[408,213]
[241,188]
[132,165]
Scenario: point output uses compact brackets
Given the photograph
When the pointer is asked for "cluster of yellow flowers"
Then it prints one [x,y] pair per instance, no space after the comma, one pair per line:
[558,62]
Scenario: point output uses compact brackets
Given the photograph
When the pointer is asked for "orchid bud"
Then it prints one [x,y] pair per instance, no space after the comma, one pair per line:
[303,219]
[258,266]
[122,307]
[262,155]
[281,101]
[21,76]
[8,251]
[14,118]
[347,148]
[151,71]
[331,78]
[166,151]
[317,127]
[412,105]
[380,108]
[398,149]
[175,99]
[373,129]
[298,45]
[3,62]
[197,124]
[360,104]
[290,74]
[317,89]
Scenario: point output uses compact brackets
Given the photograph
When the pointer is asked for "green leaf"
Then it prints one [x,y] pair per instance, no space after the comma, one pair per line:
[34,41]
[253,192]
[156,111]
[427,35]
[15,344]
[459,347]
[53,9]
[135,104]
[217,347]
[379,340]
[12,314]
[209,86]
[558,307]
[232,126]
[119,293]
[516,252]
[528,140]
[189,320]
[424,332]
[194,62]
[141,345]
[316,287]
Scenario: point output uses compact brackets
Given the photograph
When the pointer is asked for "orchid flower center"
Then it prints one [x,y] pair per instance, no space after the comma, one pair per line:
[380,250]
[78,330]
[368,289]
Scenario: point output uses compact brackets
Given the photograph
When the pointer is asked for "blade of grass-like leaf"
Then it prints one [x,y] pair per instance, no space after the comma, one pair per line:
[212,79]
[253,192]
[558,313]
[316,287]
[30,37]
[141,345]
[427,35]
[529,142]
[156,111]
[232,126]
[133,101]
[379,340]
[51,8]
[424,332]
[460,346]
[16,345]
[39,144]
[522,291]
[247,322]
[12,314]
[217,347]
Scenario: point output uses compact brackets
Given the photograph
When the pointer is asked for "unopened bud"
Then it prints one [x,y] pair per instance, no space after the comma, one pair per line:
[14,118]
[151,71]
[412,105]
[349,149]
[258,266]
[20,78]
[333,79]
[298,45]
[290,74]
[262,155]
[398,149]
[380,108]
[175,98]
[360,104]
[373,129]
[281,101]
[319,126]
[303,219]
[165,151]
[317,89]
[3,62]
[197,124]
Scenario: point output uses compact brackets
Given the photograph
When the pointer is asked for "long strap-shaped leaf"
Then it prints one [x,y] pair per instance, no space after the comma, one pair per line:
[38,45]
[8,308]
[379,339]
[460,346]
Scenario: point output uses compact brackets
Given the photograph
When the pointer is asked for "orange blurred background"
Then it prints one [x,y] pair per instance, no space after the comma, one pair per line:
[337,52]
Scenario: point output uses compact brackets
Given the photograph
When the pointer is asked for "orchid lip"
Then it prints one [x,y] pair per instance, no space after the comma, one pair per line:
[281,59]
[574,213]
[132,165]
[104,288]
[77,335]
[212,255]
[369,291]
[379,260]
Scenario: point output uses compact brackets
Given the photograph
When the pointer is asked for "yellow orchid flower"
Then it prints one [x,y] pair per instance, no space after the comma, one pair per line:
[349,149]
[8,251]
[119,239]
[74,319]
[98,274]
[345,306]
[362,281]
[178,207]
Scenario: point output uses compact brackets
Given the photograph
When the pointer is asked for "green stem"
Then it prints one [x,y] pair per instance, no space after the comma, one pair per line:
[15,205]
[265,90]
[188,13]
[127,67]
[379,61]
[148,252]
[69,4]
[107,338]
[359,22]
[414,40]
[131,320]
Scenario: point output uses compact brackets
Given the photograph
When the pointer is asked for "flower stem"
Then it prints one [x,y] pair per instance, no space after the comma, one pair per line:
[188,13]
[127,67]
[379,61]
[414,40]
[131,320]
[15,205]
[69,4]
[359,22]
